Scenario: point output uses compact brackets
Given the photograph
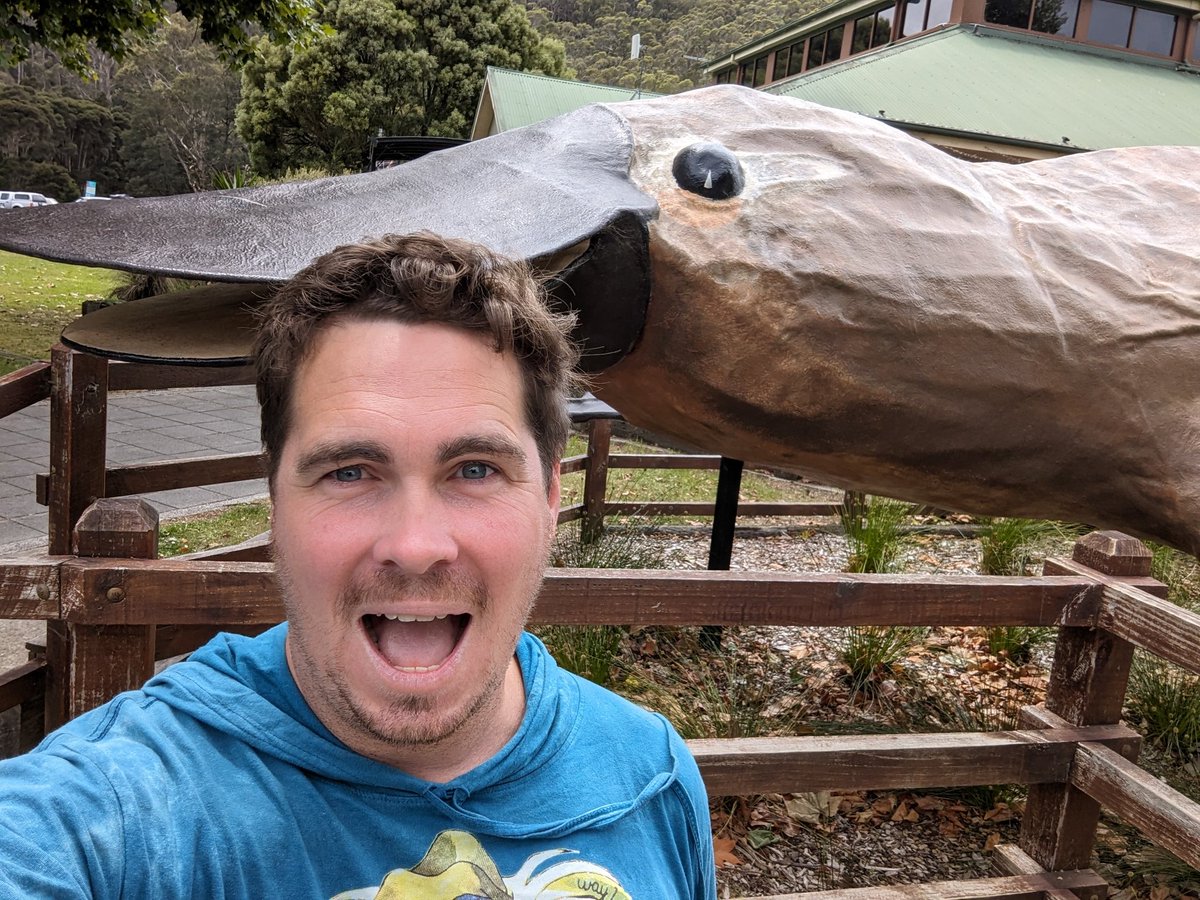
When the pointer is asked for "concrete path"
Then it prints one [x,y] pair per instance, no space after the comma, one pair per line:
[144,426]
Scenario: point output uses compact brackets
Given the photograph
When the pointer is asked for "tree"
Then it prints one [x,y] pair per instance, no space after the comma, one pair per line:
[74,135]
[180,103]
[676,35]
[114,26]
[404,66]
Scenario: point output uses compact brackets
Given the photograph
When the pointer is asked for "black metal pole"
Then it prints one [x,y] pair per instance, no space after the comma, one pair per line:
[720,547]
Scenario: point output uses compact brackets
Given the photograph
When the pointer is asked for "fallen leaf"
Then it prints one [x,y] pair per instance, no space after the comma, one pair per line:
[812,806]
[723,852]
[758,838]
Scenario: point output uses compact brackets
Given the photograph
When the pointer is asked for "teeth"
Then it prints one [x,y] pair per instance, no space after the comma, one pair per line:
[416,668]
[402,618]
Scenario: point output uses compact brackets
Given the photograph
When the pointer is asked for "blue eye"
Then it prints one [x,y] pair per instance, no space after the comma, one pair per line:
[348,473]
[475,471]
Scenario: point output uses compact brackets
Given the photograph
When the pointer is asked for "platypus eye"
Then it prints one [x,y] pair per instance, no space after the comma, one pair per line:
[709,170]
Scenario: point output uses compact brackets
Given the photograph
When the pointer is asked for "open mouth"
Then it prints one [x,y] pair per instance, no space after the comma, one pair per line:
[412,643]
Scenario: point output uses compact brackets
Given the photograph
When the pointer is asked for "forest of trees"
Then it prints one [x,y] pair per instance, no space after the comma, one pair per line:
[176,113]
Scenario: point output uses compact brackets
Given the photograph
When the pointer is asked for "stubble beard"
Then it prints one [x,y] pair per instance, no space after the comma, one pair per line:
[407,721]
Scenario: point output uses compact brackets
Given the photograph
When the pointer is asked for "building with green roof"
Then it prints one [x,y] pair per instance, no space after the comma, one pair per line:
[512,99]
[993,79]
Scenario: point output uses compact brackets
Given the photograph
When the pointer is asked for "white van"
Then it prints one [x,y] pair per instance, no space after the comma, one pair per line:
[17,199]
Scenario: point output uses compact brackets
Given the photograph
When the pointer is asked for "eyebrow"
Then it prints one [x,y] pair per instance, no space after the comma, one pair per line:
[494,446]
[330,453]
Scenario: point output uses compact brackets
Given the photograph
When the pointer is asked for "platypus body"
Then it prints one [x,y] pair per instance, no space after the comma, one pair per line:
[787,284]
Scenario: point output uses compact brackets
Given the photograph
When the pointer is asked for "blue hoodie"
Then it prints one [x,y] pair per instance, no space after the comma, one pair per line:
[217,781]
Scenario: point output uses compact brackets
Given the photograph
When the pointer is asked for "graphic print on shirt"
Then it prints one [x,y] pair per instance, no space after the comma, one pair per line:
[456,867]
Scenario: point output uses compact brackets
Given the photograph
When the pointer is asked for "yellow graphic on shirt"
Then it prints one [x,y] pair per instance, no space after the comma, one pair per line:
[456,867]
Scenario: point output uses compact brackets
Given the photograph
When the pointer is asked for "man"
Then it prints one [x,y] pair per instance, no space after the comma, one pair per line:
[400,736]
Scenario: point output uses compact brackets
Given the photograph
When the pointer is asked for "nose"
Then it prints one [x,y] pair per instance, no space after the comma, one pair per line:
[415,533]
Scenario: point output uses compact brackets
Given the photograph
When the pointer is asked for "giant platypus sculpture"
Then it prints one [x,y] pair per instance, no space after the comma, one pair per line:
[782,283]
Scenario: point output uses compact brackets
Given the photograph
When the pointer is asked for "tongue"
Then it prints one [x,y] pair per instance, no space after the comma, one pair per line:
[414,644]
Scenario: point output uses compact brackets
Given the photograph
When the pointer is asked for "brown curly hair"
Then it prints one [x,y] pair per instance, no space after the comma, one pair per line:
[414,279]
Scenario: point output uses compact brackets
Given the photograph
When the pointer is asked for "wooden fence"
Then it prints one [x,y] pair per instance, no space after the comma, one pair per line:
[112,609]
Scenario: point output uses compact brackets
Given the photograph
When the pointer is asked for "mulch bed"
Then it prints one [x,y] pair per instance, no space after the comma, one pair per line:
[792,681]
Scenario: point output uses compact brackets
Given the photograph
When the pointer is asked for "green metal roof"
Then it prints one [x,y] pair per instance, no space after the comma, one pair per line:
[519,98]
[982,82]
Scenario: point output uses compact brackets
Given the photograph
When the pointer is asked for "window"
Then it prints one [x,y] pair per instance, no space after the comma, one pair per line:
[833,46]
[1135,27]
[781,63]
[1055,17]
[1110,23]
[873,30]
[795,58]
[745,74]
[825,47]
[760,71]
[1153,31]
[1014,13]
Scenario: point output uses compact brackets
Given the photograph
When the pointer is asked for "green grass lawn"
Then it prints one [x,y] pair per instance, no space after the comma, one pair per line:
[38,298]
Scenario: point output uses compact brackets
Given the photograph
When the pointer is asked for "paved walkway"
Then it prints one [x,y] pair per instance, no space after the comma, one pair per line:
[144,426]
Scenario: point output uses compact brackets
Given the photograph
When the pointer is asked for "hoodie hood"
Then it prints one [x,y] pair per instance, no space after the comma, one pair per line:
[242,687]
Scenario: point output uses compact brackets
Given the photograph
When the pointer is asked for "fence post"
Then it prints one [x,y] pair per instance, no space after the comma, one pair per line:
[1087,687]
[78,431]
[595,480]
[94,663]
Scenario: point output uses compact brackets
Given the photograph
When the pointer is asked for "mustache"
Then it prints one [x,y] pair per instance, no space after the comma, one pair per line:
[384,586]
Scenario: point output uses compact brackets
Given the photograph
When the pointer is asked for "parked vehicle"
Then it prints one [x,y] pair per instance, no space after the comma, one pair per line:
[19,199]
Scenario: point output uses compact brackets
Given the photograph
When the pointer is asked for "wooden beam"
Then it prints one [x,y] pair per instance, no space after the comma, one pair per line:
[1162,814]
[662,461]
[1083,883]
[1159,626]
[255,549]
[570,513]
[736,767]
[175,640]
[23,683]
[571,464]
[132,376]
[29,588]
[24,388]
[198,592]
[121,481]
[702,508]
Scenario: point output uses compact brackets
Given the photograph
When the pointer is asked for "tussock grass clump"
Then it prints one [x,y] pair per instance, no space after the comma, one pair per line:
[1008,545]
[1163,700]
[874,530]
[872,654]
[592,651]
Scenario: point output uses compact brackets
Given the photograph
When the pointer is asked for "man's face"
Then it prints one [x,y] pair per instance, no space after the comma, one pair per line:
[411,525]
